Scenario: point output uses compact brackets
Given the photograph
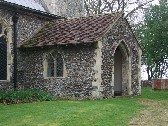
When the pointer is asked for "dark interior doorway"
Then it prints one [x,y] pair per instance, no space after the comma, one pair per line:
[118,72]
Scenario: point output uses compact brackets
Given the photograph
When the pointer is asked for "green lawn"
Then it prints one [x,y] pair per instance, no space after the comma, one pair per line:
[109,112]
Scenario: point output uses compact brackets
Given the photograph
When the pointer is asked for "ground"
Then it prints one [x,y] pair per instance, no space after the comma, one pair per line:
[155,113]
[150,109]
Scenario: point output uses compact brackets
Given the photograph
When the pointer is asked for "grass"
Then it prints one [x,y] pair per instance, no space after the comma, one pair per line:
[154,94]
[108,112]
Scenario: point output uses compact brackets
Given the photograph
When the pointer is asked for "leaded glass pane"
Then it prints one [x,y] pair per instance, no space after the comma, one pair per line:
[55,65]
[59,66]
[50,67]
[3,58]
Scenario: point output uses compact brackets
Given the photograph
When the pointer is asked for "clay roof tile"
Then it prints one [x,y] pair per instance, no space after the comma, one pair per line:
[72,31]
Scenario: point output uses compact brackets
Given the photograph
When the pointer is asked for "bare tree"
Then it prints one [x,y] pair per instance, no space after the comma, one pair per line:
[129,7]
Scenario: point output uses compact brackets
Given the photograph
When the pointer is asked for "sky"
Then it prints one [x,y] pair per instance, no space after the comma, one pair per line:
[155,2]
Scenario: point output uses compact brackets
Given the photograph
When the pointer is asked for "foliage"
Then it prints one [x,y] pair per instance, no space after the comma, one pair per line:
[23,96]
[153,35]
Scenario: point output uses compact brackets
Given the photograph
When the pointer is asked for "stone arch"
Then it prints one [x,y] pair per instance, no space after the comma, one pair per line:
[7,34]
[121,76]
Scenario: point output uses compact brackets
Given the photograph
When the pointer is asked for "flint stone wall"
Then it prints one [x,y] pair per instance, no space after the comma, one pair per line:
[27,26]
[79,63]
[119,32]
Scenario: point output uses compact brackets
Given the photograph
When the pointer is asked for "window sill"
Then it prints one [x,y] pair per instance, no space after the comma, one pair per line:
[1,81]
[54,77]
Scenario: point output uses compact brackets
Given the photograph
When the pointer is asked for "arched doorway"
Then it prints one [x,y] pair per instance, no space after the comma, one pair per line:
[118,72]
[122,73]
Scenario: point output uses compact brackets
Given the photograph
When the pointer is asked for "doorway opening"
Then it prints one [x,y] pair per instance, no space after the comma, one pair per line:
[118,72]
[122,73]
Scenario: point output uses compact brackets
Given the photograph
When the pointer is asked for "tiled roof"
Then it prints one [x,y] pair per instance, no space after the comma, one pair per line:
[28,3]
[73,31]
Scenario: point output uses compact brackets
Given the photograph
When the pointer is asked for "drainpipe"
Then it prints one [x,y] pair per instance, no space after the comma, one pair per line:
[15,19]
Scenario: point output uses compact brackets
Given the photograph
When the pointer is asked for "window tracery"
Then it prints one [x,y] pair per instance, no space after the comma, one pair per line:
[55,65]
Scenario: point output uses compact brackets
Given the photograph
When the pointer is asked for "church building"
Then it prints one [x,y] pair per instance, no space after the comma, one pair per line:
[63,52]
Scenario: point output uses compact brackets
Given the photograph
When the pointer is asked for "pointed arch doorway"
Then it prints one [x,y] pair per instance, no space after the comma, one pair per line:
[122,73]
[118,72]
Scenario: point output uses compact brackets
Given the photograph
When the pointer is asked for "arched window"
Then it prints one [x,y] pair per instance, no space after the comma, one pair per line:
[3,53]
[55,65]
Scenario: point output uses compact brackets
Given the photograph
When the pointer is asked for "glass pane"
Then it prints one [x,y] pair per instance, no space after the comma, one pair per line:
[50,67]
[59,66]
[3,58]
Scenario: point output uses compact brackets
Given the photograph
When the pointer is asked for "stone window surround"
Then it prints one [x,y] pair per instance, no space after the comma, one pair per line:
[45,65]
[7,25]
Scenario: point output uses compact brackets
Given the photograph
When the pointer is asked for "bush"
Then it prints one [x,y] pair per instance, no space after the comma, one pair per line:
[24,96]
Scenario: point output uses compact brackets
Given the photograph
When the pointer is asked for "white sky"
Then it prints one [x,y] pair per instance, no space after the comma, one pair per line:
[155,2]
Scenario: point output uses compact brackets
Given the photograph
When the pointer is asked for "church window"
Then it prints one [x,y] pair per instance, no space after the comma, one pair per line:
[3,53]
[55,65]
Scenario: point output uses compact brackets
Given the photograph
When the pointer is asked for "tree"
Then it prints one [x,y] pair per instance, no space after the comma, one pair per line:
[153,35]
[109,6]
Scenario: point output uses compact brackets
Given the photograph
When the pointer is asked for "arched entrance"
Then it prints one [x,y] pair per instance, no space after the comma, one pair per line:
[118,72]
[122,73]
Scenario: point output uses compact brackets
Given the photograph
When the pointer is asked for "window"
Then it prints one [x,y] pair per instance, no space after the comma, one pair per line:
[55,65]
[3,53]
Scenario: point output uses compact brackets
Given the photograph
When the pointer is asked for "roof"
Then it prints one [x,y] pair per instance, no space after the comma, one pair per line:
[27,6]
[28,3]
[72,31]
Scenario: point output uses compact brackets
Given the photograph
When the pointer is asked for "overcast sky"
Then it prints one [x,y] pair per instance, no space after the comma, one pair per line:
[155,2]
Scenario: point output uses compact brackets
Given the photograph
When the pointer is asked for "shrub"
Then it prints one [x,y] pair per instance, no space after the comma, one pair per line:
[24,96]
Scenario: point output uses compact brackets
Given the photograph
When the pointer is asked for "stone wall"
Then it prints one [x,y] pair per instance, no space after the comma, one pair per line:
[79,63]
[66,8]
[27,25]
[120,32]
